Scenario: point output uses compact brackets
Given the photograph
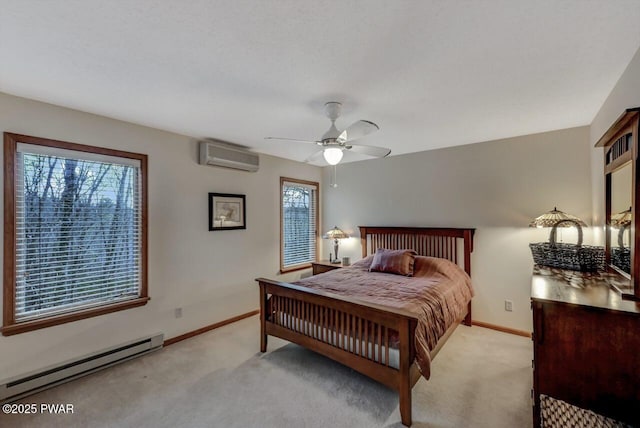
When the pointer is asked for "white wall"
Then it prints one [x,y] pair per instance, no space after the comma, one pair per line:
[210,275]
[624,95]
[497,187]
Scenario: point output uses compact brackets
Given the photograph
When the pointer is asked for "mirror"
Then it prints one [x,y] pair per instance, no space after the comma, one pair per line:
[621,217]
[622,201]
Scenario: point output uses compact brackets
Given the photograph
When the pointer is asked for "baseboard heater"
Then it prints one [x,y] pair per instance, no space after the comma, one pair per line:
[30,383]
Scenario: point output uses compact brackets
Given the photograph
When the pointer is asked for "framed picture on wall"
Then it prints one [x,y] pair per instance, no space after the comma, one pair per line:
[227,211]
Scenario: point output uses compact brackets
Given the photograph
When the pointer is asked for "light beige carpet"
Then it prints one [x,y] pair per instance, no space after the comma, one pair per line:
[481,378]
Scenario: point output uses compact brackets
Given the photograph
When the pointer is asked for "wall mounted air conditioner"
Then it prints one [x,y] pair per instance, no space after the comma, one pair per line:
[215,153]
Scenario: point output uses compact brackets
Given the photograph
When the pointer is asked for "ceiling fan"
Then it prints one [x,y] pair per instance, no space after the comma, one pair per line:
[334,142]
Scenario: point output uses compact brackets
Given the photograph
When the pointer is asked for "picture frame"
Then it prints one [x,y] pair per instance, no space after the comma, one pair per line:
[227,211]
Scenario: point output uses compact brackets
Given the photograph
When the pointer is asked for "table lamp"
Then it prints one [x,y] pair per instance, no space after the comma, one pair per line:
[336,233]
[622,221]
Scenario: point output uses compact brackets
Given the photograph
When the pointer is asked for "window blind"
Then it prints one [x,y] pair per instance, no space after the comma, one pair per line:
[78,231]
[299,215]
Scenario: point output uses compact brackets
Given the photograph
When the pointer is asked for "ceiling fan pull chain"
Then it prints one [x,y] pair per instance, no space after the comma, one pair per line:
[334,180]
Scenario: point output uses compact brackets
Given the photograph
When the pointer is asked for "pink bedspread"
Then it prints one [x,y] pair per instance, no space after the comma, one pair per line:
[437,294]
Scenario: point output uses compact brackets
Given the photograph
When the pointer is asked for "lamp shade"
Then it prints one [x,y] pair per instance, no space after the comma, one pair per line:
[335,233]
[332,155]
[554,216]
[622,218]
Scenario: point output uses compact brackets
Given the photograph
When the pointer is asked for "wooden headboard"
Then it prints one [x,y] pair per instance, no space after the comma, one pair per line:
[427,241]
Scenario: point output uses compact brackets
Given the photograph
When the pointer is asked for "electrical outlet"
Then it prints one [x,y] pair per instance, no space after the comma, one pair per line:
[178,312]
[508,305]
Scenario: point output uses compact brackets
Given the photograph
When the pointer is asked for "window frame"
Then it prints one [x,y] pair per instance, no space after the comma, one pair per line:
[307,265]
[10,326]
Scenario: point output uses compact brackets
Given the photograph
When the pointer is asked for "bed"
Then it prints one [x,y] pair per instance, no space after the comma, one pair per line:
[385,342]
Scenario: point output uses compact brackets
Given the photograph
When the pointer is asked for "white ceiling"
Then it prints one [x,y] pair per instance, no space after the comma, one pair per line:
[429,73]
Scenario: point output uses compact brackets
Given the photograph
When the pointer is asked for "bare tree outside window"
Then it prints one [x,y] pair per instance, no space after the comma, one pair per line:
[78,239]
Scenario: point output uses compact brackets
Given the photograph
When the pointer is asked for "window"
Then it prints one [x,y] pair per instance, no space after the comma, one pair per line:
[299,223]
[75,232]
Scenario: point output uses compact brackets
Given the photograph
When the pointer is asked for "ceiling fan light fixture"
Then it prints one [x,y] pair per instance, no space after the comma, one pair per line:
[332,155]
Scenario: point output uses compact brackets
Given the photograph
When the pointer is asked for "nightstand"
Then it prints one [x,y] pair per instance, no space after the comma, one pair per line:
[323,266]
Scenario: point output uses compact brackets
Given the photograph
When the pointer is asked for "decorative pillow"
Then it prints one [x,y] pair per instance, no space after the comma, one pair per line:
[399,262]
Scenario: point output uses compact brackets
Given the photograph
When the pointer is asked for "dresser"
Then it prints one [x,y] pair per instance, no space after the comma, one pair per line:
[323,266]
[586,343]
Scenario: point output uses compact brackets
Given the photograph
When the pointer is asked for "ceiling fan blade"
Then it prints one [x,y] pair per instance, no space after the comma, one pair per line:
[357,130]
[376,152]
[291,139]
[314,156]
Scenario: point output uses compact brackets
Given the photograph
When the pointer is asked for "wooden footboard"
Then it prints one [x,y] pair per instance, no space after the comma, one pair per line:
[353,333]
